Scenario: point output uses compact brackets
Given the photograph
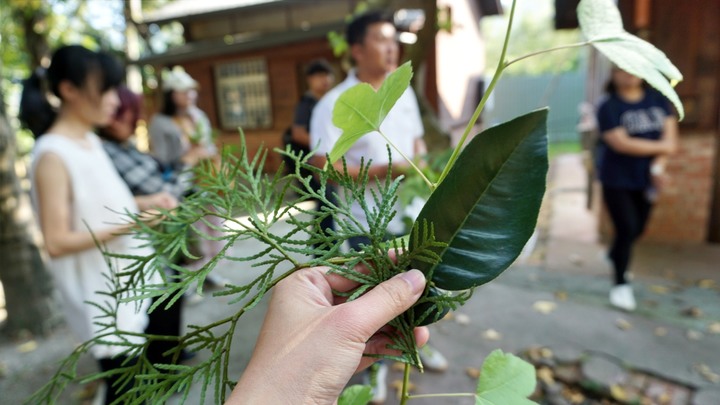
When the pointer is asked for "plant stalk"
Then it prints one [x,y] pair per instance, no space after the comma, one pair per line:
[414,166]
[502,64]
[405,395]
[452,394]
[557,48]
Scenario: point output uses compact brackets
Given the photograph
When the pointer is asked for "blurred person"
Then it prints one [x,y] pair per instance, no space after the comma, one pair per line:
[372,38]
[638,130]
[174,137]
[320,78]
[77,195]
[144,176]
[181,138]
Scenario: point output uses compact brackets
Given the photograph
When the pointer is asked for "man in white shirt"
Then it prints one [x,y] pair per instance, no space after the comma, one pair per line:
[374,50]
[372,39]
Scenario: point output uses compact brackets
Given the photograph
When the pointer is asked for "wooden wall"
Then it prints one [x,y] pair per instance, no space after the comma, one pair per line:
[285,65]
[688,209]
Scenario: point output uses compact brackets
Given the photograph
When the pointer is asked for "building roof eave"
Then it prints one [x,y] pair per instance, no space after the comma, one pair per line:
[191,9]
[239,43]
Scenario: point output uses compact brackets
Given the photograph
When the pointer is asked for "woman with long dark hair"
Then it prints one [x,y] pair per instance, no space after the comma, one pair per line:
[78,195]
[638,131]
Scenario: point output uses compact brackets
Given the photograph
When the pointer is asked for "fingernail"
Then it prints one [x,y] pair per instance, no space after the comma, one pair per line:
[415,278]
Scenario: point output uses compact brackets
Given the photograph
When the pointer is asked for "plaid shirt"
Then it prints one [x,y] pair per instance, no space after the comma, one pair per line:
[143,174]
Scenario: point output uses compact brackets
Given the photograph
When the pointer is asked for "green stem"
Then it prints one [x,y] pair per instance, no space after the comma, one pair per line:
[557,48]
[405,395]
[498,72]
[454,394]
[417,169]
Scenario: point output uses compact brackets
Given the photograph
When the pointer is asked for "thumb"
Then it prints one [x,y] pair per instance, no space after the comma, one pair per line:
[387,300]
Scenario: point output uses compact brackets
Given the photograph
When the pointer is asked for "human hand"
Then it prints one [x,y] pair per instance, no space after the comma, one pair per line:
[161,200]
[312,342]
[195,154]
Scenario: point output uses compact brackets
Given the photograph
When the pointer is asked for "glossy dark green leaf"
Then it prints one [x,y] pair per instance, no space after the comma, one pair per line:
[487,206]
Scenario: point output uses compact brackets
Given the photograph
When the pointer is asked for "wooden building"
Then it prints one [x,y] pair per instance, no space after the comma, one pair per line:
[249,55]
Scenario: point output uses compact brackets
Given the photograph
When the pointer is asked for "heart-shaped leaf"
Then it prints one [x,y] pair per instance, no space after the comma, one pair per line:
[356,395]
[360,109]
[601,23]
[505,380]
[487,206]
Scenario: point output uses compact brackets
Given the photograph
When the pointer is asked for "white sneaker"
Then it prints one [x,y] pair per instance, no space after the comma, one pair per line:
[621,296]
[376,378]
[432,359]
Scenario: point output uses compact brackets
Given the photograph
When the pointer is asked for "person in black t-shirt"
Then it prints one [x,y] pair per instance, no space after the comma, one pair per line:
[638,131]
[320,79]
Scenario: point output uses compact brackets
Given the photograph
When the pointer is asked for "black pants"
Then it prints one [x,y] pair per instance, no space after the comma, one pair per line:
[629,211]
[113,392]
[164,322]
[327,222]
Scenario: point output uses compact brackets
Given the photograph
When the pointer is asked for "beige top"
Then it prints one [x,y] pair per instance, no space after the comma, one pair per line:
[99,197]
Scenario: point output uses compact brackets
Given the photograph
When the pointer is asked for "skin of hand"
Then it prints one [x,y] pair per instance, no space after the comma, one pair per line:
[54,203]
[161,200]
[312,342]
[195,154]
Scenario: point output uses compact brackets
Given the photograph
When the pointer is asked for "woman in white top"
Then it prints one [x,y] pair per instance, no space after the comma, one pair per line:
[79,195]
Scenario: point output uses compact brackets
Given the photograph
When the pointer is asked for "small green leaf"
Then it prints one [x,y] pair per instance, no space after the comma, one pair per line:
[505,380]
[360,109]
[487,206]
[356,395]
[601,23]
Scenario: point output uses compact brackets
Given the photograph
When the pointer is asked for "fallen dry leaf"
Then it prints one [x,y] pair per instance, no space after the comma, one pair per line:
[714,328]
[27,347]
[561,295]
[659,289]
[618,393]
[707,373]
[660,331]
[692,312]
[544,307]
[449,316]
[491,334]
[664,398]
[462,319]
[707,284]
[545,375]
[623,324]
[573,396]
[693,334]
[546,353]
[472,372]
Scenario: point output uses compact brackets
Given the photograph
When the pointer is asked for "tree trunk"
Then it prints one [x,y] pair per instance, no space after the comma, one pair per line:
[27,285]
